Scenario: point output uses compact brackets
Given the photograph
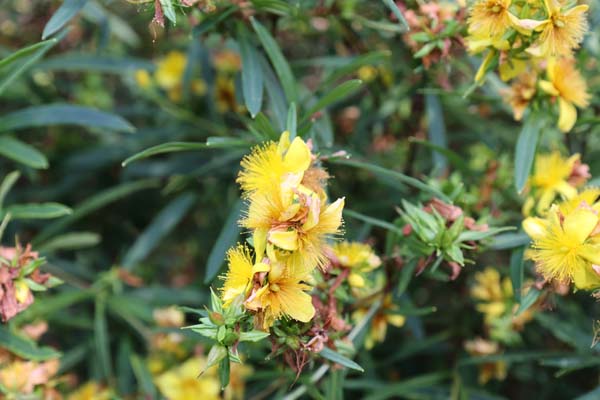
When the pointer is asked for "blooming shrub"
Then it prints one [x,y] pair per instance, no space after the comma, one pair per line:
[299,199]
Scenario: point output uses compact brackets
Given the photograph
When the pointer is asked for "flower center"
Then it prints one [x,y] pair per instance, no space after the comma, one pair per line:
[274,287]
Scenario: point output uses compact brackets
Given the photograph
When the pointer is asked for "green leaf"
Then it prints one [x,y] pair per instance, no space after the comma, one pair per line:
[373,221]
[18,62]
[163,148]
[528,300]
[70,241]
[143,376]
[383,172]
[282,68]
[336,94]
[102,339]
[525,149]
[94,63]
[168,10]
[7,184]
[21,152]
[218,142]
[252,77]
[63,114]
[517,263]
[406,275]
[92,204]
[215,355]
[412,385]
[38,210]
[396,11]
[340,359]
[275,94]
[253,336]
[160,226]
[509,241]
[227,238]
[292,121]
[480,235]
[211,20]
[224,371]
[25,348]
[67,11]
[436,130]
[426,49]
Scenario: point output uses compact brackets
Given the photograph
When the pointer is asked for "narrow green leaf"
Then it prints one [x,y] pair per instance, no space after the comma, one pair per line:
[163,148]
[340,359]
[38,210]
[160,226]
[211,20]
[282,68]
[253,336]
[369,59]
[168,10]
[396,11]
[143,376]
[480,235]
[66,12]
[525,149]
[275,94]
[517,263]
[436,130]
[224,372]
[412,385]
[3,224]
[527,301]
[63,114]
[218,142]
[227,238]
[25,348]
[336,94]
[70,241]
[406,275]
[92,204]
[373,221]
[383,172]
[17,63]
[510,240]
[96,63]
[292,121]
[102,339]
[21,152]
[252,77]
[7,184]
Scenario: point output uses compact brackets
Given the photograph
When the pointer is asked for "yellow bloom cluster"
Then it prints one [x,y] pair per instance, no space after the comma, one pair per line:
[554,178]
[525,39]
[168,76]
[359,258]
[291,220]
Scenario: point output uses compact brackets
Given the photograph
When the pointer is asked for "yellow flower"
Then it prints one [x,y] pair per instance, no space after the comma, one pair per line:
[239,273]
[520,93]
[567,84]
[386,315]
[169,71]
[487,371]
[490,18]
[358,257]
[184,383]
[143,79]
[284,295]
[268,165]
[587,196]
[492,292]
[91,391]
[561,32]
[566,248]
[171,317]
[551,179]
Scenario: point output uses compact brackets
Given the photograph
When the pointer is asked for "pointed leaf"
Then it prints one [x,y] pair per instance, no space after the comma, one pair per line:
[67,11]
[22,153]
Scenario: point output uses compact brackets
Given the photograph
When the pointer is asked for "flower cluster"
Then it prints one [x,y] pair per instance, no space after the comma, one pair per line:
[526,39]
[19,277]
[554,178]
[290,219]
[566,239]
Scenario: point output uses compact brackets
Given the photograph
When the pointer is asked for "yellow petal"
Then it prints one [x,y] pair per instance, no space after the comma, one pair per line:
[356,280]
[396,320]
[287,240]
[535,227]
[260,267]
[297,158]
[549,88]
[567,115]
[578,9]
[579,224]
[590,253]
[331,218]
[284,142]
[484,66]
[260,242]
[586,278]
[525,26]
[314,210]
[21,291]
[296,303]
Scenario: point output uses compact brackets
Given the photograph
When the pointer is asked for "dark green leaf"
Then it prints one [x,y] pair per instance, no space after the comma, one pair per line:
[38,211]
[63,114]
[373,221]
[25,348]
[252,77]
[22,153]
[96,63]
[369,59]
[18,62]
[211,20]
[336,94]
[170,147]
[480,235]
[160,226]
[7,183]
[101,339]
[70,241]
[396,11]
[282,68]
[516,272]
[528,300]
[340,359]
[143,376]
[67,11]
[292,121]
[525,150]
[227,238]
[436,129]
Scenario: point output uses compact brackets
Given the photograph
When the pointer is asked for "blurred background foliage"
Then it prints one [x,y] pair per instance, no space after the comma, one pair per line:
[130,237]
